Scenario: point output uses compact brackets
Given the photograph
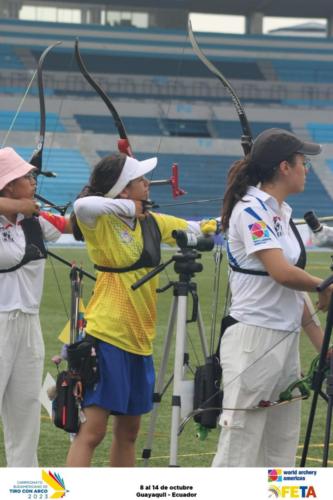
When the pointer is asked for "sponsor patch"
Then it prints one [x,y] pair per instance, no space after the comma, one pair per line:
[259,232]
[277,226]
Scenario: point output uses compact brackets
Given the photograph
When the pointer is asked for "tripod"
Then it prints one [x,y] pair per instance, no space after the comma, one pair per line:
[185,266]
[318,379]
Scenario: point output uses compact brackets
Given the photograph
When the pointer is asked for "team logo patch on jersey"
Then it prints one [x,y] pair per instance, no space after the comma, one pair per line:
[5,233]
[259,232]
[277,226]
[125,237]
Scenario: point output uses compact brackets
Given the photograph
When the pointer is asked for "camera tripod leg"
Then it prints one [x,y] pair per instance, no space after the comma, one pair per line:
[158,392]
[317,386]
[327,431]
[178,377]
[177,318]
[180,371]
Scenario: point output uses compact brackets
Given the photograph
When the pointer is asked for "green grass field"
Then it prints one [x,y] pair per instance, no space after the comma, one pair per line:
[192,452]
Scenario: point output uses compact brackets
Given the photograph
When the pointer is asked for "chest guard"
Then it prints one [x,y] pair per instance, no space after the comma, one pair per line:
[34,244]
[151,252]
[301,262]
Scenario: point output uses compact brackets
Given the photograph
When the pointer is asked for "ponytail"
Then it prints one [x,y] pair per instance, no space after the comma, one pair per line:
[86,191]
[103,177]
[243,174]
[240,177]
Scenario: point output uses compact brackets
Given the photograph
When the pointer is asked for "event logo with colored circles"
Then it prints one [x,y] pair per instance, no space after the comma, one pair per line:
[274,475]
[259,232]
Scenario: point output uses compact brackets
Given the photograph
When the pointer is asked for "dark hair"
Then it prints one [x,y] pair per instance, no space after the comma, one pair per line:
[104,175]
[241,175]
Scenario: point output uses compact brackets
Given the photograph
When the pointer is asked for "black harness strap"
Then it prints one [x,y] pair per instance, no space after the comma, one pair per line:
[34,248]
[301,262]
[151,252]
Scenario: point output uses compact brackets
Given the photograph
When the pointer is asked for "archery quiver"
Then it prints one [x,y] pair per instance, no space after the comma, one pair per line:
[207,393]
[66,405]
[71,384]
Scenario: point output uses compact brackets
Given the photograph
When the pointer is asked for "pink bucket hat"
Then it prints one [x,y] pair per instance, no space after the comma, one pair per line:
[12,166]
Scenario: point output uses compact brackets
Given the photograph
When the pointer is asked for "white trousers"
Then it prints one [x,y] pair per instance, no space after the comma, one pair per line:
[257,366]
[21,370]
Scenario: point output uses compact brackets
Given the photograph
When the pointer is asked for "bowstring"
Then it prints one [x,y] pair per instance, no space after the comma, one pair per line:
[18,110]
[178,73]
[296,330]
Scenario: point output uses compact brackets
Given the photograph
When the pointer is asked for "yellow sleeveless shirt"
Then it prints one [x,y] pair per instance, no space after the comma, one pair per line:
[116,314]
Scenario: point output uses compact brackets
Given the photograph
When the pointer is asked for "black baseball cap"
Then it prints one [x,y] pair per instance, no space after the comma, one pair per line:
[276,144]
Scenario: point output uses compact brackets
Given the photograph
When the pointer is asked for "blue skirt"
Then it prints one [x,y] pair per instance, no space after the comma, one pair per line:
[126,383]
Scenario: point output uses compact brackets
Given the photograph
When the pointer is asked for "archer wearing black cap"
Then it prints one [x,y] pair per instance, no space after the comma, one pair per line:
[259,349]
[275,145]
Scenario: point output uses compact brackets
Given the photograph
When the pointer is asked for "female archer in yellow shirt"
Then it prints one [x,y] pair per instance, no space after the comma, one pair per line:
[123,241]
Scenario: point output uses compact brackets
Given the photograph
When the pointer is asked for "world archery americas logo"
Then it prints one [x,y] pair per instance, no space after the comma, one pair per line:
[56,482]
[274,475]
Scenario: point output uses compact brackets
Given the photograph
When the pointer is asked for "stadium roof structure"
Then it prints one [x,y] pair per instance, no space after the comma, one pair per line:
[302,28]
[282,8]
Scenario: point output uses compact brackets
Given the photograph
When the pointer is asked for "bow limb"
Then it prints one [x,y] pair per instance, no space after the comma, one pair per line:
[124,143]
[37,156]
[262,405]
[246,139]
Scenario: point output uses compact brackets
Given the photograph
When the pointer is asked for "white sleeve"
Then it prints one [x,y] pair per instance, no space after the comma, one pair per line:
[256,229]
[194,227]
[323,238]
[50,227]
[87,209]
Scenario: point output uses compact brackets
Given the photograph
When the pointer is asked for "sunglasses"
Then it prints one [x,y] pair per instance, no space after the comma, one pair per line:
[307,163]
[30,176]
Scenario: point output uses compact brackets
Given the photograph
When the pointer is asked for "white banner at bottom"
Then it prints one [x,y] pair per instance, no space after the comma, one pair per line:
[165,483]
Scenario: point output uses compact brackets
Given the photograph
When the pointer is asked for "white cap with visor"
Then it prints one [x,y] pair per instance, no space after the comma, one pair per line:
[132,169]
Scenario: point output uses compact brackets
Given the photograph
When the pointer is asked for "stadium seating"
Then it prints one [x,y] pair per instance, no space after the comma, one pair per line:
[315,197]
[227,129]
[232,130]
[29,121]
[8,58]
[204,177]
[304,70]
[105,125]
[72,173]
[321,132]
[185,128]
[157,67]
